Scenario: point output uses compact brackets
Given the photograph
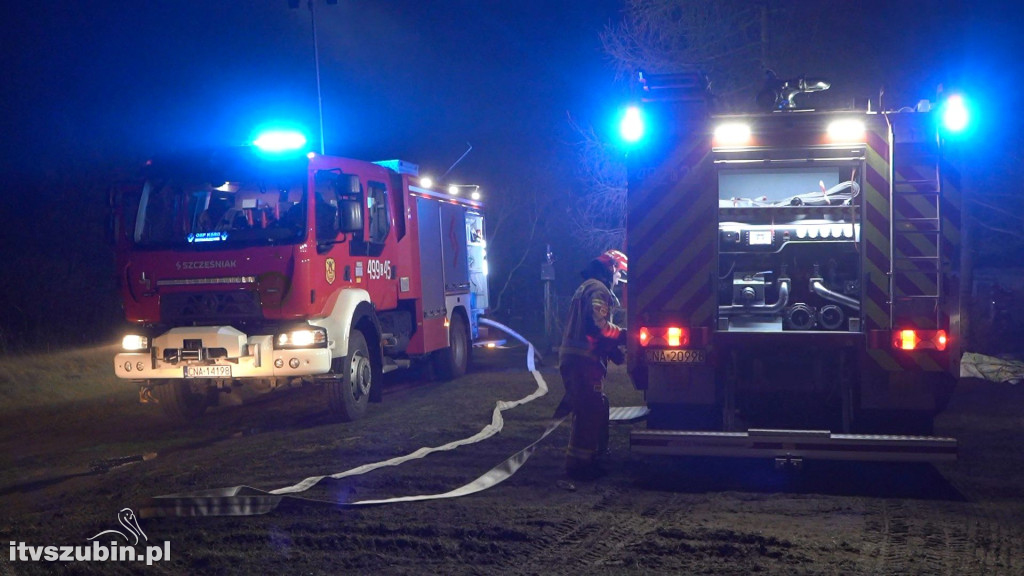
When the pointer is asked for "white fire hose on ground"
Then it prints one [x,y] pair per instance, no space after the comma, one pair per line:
[991,368]
[247,501]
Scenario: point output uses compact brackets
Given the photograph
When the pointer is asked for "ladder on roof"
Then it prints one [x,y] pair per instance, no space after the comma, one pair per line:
[916,233]
[677,87]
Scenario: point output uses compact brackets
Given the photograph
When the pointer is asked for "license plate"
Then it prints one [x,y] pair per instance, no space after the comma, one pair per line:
[207,371]
[676,356]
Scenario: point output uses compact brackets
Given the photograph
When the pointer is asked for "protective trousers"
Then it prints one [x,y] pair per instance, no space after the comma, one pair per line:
[584,390]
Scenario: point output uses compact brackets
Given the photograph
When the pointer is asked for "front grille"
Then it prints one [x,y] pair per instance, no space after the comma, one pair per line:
[176,355]
[210,307]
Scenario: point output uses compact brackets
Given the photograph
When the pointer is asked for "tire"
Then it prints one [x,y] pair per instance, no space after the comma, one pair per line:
[179,401]
[451,362]
[349,392]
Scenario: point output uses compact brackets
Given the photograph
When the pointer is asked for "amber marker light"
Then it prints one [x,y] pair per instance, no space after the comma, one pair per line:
[906,340]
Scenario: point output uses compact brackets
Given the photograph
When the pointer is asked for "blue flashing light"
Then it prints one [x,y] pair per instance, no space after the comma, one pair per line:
[631,128]
[280,141]
[955,117]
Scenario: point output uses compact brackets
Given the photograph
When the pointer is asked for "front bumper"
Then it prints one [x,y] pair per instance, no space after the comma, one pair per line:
[246,357]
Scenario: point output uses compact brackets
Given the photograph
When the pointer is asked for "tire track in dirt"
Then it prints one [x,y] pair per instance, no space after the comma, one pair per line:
[659,538]
[886,528]
[943,538]
[591,539]
[990,540]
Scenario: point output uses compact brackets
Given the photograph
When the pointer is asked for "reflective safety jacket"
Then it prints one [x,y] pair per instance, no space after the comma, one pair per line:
[589,333]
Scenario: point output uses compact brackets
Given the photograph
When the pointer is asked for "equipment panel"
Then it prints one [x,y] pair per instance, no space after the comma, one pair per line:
[788,248]
[737,238]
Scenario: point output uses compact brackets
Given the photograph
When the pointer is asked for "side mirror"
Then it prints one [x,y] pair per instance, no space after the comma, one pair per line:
[350,216]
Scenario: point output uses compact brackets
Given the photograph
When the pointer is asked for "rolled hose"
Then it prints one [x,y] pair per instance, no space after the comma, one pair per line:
[830,316]
[800,317]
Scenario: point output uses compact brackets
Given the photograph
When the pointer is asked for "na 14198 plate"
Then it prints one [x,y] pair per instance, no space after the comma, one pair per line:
[207,371]
[676,356]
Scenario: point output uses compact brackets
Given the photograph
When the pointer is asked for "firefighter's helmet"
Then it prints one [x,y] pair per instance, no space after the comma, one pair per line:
[615,261]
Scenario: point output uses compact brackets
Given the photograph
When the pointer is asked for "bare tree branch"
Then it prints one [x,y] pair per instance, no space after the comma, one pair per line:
[598,211]
[1003,211]
[534,221]
[721,38]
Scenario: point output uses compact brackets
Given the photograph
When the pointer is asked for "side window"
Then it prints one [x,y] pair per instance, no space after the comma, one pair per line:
[377,208]
[326,205]
[398,186]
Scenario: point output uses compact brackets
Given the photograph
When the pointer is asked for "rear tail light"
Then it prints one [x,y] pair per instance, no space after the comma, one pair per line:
[909,339]
[669,336]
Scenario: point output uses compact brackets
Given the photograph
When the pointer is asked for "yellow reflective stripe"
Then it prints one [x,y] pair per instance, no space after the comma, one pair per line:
[671,268]
[885,360]
[874,311]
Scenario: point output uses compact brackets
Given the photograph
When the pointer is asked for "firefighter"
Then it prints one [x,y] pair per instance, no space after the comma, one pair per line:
[589,341]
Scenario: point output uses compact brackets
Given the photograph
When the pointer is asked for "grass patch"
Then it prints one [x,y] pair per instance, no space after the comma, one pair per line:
[70,375]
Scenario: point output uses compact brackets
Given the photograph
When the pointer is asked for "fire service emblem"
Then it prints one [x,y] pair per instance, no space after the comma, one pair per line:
[330,272]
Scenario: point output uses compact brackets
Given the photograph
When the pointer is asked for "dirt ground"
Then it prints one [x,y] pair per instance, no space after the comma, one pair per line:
[68,468]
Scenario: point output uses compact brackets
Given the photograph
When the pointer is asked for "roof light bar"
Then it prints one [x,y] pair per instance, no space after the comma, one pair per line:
[280,141]
[954,114]
[631,128]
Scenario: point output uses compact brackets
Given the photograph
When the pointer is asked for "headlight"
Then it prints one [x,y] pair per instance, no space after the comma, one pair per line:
[303,338]
[732,134]
[134,343]
[846,130]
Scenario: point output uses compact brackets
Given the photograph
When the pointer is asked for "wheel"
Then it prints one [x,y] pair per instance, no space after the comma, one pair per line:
[182,400]
[349,392]
[451,362]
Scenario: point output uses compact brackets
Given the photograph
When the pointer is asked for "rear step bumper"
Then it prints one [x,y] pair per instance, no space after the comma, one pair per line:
[794,444]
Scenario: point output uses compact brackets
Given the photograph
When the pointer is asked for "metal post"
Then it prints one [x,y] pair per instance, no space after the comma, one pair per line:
[316,62]
[547,275]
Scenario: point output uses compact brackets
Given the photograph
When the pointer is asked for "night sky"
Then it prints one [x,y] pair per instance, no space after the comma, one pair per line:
[416,80]
[105,80]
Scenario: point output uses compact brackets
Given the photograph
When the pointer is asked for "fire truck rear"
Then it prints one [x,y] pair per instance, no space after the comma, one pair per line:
[249,268]
[793,286]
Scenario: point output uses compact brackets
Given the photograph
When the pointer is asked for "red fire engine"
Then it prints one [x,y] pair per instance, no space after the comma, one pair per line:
[254,267]
[794,285]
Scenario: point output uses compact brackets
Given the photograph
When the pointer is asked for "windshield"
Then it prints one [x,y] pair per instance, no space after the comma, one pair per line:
[183,212]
